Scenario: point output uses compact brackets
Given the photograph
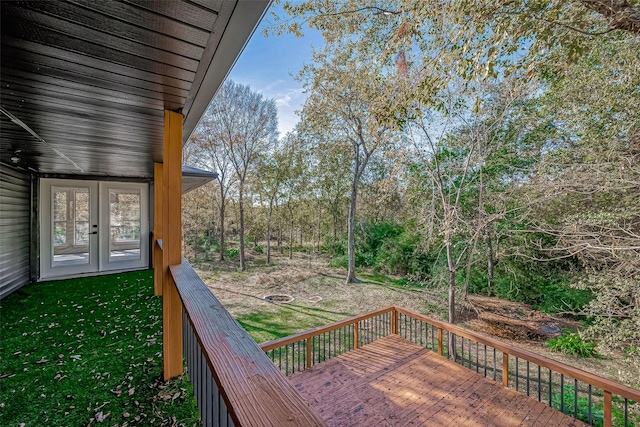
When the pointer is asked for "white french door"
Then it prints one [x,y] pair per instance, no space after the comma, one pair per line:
[92,226]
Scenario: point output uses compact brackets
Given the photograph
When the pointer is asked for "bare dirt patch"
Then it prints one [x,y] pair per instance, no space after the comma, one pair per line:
[515,321]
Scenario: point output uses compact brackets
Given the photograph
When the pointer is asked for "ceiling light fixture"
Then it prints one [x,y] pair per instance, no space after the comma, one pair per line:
[15,158]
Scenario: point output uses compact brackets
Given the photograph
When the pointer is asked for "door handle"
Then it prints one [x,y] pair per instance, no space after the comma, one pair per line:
[94,232]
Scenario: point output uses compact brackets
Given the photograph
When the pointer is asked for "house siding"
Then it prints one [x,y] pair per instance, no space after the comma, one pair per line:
[15,229]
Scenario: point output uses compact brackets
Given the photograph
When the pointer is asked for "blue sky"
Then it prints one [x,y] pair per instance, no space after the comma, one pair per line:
[269,65]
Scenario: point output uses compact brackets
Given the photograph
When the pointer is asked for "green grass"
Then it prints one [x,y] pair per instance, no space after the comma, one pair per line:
[280,321]
[74,351]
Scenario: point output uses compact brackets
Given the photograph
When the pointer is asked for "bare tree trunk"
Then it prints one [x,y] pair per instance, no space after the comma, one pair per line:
[319,225]
[222,209]
[351,222]
[280,247]
[291,239]
[335,227]
[452,276]
[490,263]
[269,235]
[243,266]
[469,265]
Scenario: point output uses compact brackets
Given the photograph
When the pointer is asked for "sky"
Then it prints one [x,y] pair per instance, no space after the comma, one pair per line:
[269,65]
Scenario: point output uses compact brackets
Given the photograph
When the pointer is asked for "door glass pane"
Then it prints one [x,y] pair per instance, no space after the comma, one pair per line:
[124,225]
[70,226]
[60,233]
[60,205]
[81,217]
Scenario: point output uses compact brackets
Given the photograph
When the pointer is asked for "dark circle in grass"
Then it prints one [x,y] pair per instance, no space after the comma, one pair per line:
[315,299]
[278,298]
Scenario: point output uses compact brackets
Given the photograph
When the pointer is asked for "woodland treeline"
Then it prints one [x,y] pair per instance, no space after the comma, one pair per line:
[485,147]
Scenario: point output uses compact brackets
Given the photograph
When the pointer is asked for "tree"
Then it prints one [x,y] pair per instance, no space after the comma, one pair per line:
[294,177]
[273,171]
[207,142]
[343,102]
[246,125]
[453,150]
[432,43]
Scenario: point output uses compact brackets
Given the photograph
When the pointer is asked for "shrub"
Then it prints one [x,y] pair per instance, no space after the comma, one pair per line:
[232,253]
[259,249]
[565,403]
[340,261]
[572,343]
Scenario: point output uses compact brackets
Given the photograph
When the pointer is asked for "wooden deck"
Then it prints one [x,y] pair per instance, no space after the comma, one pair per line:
[395,382]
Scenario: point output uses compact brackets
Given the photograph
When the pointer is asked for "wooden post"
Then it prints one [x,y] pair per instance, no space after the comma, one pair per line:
[158,271]
[356,334]
[171,244]
[440,352]
[394,321]
[607,408]
[505,369]
[309,352]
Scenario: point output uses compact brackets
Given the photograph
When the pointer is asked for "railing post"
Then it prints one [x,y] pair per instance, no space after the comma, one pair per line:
[356,334]
[607,408]
[505,369]
[394,321]
[440,341]
[171,244]
[309,352]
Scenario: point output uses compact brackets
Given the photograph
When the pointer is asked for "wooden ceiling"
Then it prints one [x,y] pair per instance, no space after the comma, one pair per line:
[85,83]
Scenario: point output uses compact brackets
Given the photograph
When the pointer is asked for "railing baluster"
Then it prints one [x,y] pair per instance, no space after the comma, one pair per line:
[477,358]
[626,412]
[356,334]
[216,404]
[485,360]
[286,360]
[495,369]
[517,373]
[540,386]
[562,393]
[550,378]
[528,376]
[575,398]
[224,415]
[589,419]
[208,400]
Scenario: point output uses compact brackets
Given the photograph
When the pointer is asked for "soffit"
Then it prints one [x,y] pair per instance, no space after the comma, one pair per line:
[92,79]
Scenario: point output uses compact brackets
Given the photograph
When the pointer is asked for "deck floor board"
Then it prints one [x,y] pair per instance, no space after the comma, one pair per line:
[395,382]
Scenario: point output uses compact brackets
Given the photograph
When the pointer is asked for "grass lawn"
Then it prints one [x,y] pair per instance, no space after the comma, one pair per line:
[320,295]
[84,351]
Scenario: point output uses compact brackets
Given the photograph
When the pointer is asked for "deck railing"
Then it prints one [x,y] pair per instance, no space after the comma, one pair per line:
[592,399]
[301,351]
[234,382]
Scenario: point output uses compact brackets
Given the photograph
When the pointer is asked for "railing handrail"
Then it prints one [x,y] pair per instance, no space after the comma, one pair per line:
[560,367]
[280,342]
[253,388]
